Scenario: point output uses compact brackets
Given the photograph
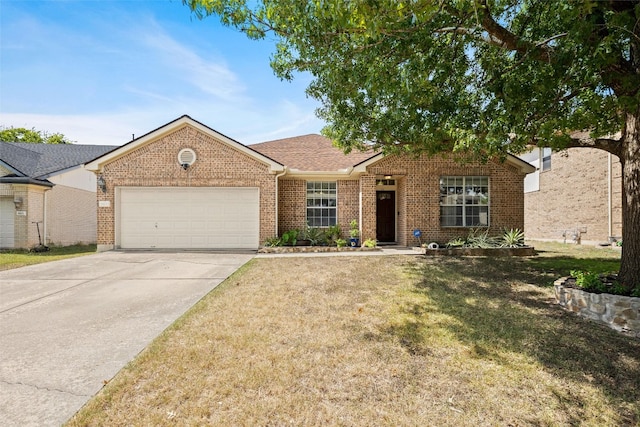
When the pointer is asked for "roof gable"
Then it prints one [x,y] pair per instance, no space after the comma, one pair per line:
[97,163]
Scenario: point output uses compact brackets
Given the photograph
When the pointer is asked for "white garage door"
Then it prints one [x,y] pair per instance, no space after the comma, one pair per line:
[184,218]
[7,212]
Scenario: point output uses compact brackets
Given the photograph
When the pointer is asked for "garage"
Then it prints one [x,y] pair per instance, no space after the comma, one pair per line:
[188,218]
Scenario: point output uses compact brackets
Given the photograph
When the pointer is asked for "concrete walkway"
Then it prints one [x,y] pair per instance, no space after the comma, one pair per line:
[68,326]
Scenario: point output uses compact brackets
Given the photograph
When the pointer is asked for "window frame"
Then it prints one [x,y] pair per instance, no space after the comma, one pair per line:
[456,198]
[545,159]
[322,197]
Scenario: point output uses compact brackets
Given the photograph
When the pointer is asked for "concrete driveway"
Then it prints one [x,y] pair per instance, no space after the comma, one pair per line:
[68,326]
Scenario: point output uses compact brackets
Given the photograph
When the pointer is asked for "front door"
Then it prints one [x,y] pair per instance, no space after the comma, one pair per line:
[386,216]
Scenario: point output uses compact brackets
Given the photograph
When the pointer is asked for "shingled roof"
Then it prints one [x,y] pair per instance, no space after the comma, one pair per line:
[310,153]
[39,161]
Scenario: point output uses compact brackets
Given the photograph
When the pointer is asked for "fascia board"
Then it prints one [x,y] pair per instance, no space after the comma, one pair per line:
[523,166]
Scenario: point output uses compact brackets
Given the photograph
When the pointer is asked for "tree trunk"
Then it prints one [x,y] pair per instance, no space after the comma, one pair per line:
[629,274]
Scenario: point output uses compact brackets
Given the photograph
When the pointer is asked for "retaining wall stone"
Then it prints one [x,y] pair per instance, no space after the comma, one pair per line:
[618,312]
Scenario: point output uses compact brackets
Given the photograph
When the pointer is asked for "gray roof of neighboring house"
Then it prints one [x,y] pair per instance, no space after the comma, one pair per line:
[39,161]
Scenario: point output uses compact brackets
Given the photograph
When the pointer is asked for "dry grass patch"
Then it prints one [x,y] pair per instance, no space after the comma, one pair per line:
[355,341]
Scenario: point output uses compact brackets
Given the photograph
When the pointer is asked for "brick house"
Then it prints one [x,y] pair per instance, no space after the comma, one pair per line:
[575,195]
[45,187]
[184,185]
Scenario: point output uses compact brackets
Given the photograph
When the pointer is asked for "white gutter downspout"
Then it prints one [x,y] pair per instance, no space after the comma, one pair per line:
[284,172]
[609,197]
[44,219]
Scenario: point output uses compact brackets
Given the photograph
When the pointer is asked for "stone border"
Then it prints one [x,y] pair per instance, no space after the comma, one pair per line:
[616,311]
[310,249]
[493,252]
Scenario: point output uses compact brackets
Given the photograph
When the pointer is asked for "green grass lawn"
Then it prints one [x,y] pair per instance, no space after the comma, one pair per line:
[19,258]
[393,341]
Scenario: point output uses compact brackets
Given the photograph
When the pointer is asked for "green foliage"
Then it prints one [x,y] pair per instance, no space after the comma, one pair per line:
[369,243]
[456,242]
[513,238]
[479,238]
[315,236]
[341,243]
[333,233]
[12,134]
[588,281]
[601,283]
[273,241]
[455,75]
[475,78]
[354,231]
[290,238]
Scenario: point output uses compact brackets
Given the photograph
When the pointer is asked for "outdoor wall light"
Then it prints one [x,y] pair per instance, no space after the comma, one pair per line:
[101,183]
[18,202]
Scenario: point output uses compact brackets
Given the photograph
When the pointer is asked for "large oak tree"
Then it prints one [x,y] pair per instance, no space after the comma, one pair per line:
[476,76]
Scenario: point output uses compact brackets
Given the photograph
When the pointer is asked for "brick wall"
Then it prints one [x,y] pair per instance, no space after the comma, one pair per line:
[155,165]
[71,216]
[573,195]
[292,206]
[418,195]
[417,198]
[34,206]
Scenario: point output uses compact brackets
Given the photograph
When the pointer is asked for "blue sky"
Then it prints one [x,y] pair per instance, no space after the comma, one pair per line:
[99,71]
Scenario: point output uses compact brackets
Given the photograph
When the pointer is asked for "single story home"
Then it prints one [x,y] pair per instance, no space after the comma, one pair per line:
[46,196]
[184,185]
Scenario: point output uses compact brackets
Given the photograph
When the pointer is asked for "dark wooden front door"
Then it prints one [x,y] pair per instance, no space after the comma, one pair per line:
[386,216]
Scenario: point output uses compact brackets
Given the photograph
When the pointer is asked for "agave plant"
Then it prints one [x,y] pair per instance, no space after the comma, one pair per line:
[513,238]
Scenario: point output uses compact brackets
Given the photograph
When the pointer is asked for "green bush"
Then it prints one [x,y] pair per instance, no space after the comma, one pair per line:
[290,238]
[597,283]
[315,236]
[513,238]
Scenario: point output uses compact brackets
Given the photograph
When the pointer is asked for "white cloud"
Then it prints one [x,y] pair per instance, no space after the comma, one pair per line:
[211,76]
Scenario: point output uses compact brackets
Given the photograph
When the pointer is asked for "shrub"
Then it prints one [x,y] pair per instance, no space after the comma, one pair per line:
[315,236]
[370,243]
[513,238]
[333,233]
[601,283]
[273,241]
[290,238]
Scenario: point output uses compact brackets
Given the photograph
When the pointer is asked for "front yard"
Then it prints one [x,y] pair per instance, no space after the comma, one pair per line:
[402,341]
[15,258]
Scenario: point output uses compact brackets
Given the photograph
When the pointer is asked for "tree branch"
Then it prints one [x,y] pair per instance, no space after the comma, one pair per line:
[609,143]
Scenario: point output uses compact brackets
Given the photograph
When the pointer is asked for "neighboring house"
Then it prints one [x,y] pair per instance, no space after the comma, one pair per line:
[44,188]
[184,185]
[575,195]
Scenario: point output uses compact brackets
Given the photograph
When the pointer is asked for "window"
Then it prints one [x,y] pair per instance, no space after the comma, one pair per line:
[464,201]
[321,204]
[546,159]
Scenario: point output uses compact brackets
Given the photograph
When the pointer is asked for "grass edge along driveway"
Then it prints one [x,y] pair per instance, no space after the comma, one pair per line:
[16,258]
[400,341]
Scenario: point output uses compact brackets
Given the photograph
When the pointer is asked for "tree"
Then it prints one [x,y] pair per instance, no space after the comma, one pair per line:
[12,134]
[476,76]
